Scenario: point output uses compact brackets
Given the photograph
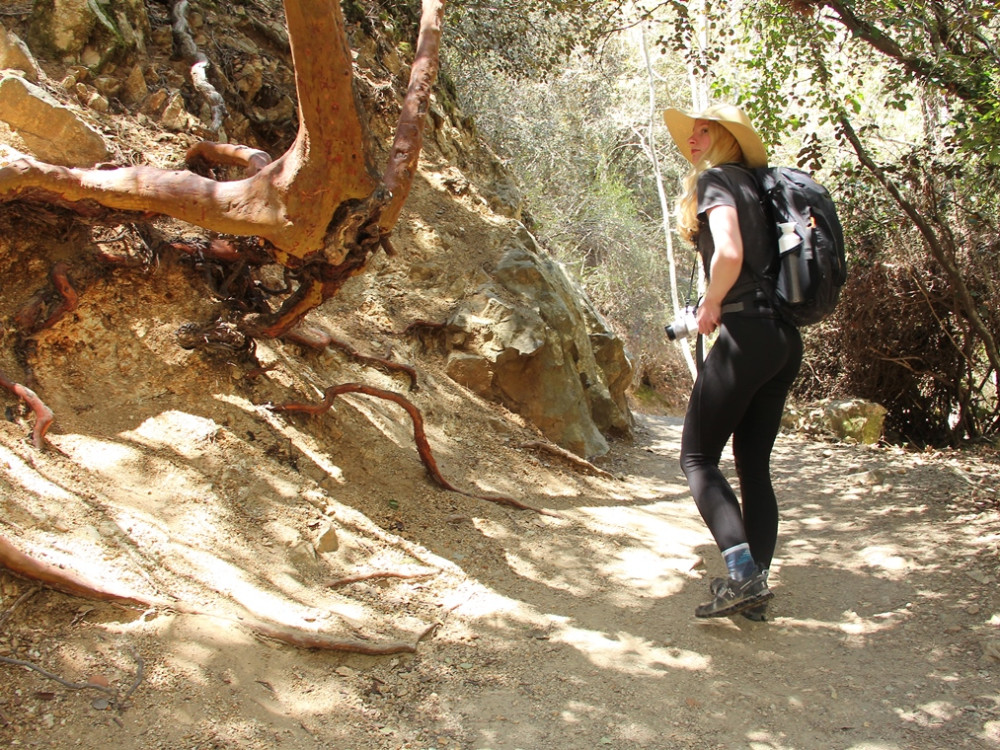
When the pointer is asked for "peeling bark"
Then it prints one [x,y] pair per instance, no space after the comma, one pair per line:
[199,63]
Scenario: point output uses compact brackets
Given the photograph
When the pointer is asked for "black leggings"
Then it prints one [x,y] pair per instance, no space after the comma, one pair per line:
[740,392]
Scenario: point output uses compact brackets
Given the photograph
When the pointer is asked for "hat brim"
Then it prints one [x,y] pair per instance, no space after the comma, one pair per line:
[681,124]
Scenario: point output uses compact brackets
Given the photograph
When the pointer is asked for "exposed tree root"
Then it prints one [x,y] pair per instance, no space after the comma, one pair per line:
[35,317]
[209,153]
[419,436]
[69,582]
[314,338]
[569,457]
[43,414]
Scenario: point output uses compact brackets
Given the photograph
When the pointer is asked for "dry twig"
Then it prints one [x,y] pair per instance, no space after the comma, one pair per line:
[20,600]
[116,700]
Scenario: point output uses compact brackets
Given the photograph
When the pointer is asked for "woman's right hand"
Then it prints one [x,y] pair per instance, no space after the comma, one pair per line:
[709,316]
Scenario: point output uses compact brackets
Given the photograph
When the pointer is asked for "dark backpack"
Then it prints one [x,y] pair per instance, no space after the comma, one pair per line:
[810,240]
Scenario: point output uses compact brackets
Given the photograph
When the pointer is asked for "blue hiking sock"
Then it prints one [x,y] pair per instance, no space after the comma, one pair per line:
[739,562]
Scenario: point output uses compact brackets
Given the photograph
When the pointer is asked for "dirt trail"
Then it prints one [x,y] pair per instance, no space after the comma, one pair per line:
[577,632]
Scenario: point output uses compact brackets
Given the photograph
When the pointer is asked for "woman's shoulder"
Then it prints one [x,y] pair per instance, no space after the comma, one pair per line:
[733,177]
[726,173]
[712,176]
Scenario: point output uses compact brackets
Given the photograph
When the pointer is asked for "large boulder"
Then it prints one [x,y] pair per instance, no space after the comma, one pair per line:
[530,339]
[49,130]
[854,420]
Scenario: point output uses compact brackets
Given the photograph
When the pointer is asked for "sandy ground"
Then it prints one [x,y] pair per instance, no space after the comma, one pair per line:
[574,631]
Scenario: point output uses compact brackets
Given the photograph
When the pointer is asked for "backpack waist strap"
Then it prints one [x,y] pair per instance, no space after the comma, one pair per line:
[758,308]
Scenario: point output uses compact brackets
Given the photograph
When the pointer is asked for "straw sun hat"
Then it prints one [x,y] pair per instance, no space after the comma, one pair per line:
[680,124]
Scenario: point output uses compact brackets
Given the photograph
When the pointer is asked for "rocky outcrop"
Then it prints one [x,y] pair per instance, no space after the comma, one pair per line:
[531,339]
[852,420]
[88,31]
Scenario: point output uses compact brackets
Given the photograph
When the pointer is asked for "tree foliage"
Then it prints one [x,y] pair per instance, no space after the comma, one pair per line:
[897,104]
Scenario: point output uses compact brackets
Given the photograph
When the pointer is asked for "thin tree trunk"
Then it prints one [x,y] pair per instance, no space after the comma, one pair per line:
[668,236]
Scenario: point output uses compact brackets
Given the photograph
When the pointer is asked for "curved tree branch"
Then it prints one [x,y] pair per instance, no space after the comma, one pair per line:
[923,68]
[319,205]
[229,154]
[303,203]
[399,173]
[934,244]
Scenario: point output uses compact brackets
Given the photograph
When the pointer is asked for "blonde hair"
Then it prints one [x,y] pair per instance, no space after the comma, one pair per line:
[723,149]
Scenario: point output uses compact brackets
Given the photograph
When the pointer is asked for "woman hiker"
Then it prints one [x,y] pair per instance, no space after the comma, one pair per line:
[741,388]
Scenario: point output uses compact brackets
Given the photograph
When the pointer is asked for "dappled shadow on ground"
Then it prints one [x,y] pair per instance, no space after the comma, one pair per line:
[881,630]
[574,631]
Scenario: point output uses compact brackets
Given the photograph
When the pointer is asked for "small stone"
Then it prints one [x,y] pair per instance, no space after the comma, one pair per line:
[991,650]
[135,90]
[326,539]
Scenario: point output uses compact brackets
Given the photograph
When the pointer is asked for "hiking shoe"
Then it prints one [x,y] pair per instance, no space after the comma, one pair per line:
[756,612]
[730,596]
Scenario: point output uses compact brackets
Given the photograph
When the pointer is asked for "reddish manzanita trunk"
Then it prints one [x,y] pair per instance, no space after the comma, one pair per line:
[289,203]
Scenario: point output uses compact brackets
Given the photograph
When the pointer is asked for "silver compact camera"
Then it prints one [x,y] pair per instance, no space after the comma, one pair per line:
[684,326]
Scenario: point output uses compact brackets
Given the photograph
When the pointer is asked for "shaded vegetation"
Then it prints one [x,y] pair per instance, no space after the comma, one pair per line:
[895,105]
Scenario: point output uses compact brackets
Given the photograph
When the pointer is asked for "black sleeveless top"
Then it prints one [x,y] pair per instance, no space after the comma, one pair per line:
[734,185]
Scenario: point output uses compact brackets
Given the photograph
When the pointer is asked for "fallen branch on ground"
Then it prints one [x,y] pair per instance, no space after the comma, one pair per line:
[379,574]
[419,436]
[116,700]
